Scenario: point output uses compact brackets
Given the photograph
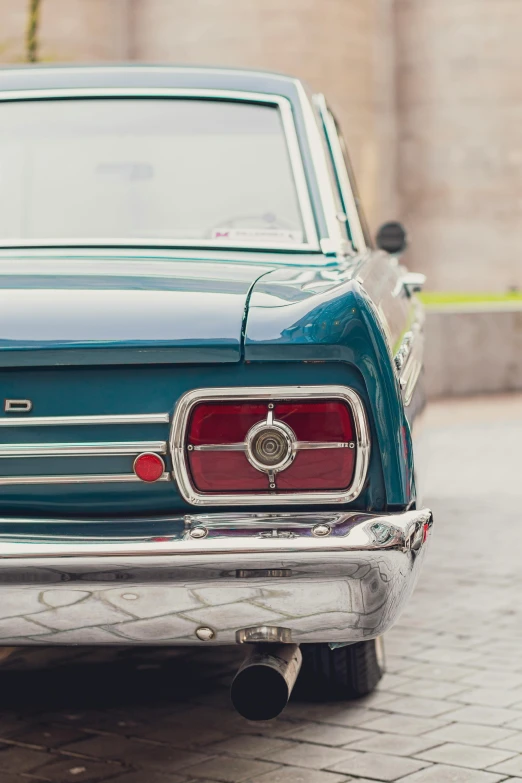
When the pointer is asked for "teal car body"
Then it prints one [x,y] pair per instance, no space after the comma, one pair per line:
[100,338]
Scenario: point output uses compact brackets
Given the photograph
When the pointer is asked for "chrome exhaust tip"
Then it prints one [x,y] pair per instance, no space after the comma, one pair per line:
[262,687]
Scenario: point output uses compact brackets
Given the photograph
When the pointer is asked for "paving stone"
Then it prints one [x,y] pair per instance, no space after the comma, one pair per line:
[431,689]
[395,664]
[440,773]
[450,655]
[378,766]
[516,725]
[489,716]
[48,736]
[376,700]
[512,766]
[471,734]
[425,708]
[139,776]
[181,735]
[138,753]
[489,697]
[391,681]
[311,756]
[438,671]
[250,745]
[337,714]
[512,742]
[229,769]
[328,735]
[74,770]
[493,678]
[394,744]
[300,775]
[465,755]
[19,759]
[403,724]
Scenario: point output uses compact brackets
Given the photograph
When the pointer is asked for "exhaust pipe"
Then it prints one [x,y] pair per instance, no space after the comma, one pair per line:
[264,682]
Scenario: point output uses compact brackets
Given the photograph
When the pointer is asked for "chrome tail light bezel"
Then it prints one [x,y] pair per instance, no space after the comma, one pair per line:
[181,472]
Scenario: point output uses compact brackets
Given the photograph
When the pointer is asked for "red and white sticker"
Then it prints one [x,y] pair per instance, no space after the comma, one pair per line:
[258,235]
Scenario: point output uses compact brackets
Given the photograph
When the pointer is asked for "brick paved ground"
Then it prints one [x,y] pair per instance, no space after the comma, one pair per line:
[449,709]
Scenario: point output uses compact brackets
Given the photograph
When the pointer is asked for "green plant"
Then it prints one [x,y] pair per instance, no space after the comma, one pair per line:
[32,31]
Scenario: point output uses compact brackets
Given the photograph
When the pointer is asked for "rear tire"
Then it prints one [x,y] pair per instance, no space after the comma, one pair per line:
[343,673]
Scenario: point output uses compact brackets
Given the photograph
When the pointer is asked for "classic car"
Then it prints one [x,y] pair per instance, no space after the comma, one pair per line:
[209,377]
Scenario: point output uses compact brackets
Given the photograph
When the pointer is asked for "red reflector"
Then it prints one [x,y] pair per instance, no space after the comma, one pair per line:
[149,467]
[323,442]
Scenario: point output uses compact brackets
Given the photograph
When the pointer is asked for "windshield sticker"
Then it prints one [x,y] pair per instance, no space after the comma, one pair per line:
[258,235]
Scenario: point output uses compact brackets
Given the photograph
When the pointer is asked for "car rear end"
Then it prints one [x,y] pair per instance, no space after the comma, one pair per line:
[203,439]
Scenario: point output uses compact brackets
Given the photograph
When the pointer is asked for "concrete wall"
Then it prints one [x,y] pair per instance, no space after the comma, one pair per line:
[460,153]
[474,351]
[70,30]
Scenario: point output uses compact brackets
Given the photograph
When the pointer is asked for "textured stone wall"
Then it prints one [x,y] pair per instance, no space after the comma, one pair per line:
[70,30]
[13,22]
[459,90]
[85,30]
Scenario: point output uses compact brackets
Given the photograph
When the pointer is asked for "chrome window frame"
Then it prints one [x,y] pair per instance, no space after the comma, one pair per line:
[347,195]
[334,243]
[181,471]
[292,142]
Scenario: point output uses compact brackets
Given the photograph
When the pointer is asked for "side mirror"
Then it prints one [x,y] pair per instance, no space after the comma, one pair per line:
[392,237]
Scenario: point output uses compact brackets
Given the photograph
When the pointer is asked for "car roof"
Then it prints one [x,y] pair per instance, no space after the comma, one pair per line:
[44,77]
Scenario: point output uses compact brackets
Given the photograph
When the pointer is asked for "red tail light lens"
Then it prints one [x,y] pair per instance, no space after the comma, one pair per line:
[271,447]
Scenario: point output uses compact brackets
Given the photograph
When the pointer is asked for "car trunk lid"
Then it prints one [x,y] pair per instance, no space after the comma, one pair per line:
[117,311]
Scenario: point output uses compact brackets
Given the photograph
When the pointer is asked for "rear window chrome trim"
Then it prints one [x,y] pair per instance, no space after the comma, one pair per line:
[293,146]
[181,472]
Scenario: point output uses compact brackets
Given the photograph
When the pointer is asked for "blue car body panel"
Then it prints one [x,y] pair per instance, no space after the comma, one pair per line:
[88,332]
[193,310]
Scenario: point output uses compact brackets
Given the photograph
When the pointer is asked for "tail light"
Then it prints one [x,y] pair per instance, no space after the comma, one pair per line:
[256,448]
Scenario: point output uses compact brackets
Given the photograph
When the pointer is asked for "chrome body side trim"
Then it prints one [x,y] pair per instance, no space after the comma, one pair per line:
[409,358]
[138,588]
[181,472]
[87,478]
[412,368]
[66,421]
[311,242]
[81,449]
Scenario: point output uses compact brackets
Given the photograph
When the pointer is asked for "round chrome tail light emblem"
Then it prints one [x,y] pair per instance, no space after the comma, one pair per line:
[270,445]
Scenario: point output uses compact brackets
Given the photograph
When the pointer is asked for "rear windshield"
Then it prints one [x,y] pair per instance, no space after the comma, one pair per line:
[152,169]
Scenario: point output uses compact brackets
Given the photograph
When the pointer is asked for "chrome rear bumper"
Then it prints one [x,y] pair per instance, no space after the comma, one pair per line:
[220,578]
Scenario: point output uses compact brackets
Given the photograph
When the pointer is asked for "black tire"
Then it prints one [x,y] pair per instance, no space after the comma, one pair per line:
[343,673]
